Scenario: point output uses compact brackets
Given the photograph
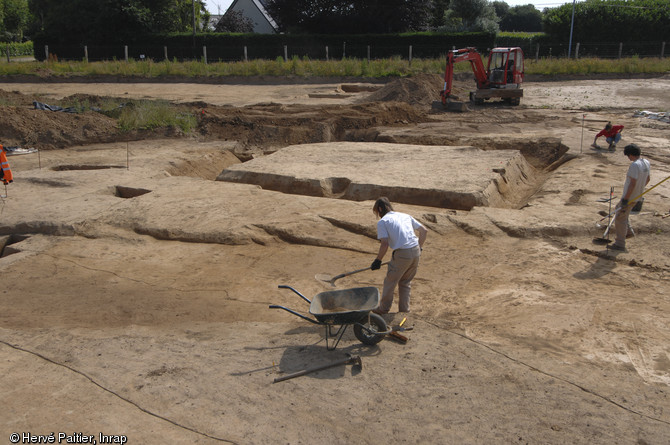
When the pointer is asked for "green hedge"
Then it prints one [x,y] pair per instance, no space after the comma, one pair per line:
[626,21]
[17,49]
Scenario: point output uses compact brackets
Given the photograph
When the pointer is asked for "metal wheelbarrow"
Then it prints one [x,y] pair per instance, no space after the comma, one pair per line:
[343,308]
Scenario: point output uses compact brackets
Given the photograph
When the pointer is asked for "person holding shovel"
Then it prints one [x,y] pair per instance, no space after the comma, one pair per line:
[398,231]
[637,179]
[612,135]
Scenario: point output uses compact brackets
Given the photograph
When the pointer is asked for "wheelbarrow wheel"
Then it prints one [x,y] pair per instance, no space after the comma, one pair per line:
[365,329]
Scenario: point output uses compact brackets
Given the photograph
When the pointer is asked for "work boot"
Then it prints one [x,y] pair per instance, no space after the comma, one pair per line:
[618,247]
[612,146]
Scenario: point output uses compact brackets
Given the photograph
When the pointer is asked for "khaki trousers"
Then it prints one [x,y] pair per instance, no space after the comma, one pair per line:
[401,270]
[622,225]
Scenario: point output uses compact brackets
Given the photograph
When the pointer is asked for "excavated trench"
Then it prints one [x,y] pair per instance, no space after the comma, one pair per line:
[266,133]
[130,192]
[7,241]
[497,176]
[60,168]
[263,129]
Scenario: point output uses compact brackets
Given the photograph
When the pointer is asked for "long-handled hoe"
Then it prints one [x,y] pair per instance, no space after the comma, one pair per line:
[605,239]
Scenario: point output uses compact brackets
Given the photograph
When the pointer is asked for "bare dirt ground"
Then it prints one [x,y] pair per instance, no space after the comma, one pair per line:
[136,287]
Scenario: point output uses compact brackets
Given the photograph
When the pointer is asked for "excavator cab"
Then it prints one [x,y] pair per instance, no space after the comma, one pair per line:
[505,68]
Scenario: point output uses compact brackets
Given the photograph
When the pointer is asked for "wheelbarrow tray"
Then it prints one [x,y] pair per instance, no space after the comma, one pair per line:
[344,306]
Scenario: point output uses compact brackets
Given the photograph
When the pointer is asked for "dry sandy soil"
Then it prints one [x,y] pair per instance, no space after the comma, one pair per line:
[135,286]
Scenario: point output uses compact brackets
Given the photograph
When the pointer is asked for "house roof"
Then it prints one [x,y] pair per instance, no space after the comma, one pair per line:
[259,5]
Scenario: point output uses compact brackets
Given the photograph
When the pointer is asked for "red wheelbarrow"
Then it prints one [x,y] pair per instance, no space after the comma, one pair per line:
[343,308]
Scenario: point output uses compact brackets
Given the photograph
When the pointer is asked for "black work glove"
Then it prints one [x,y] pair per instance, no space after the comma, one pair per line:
[623,203]
[376,264]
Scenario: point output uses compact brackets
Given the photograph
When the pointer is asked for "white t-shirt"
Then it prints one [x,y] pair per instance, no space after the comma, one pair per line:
[638,170]
[399,229]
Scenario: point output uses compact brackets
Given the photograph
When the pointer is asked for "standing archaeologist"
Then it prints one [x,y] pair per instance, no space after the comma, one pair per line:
[5,172]
[637,178]
[398,231]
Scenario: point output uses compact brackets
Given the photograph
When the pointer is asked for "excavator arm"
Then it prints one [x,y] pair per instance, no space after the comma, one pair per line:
[461,55]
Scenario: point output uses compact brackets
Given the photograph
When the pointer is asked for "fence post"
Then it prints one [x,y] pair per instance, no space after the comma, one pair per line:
[246,57]
[620,48]
[410,55]
[577,51]
[165,53]
[125,51]
[662,50]
[537,52]
[326,53]
[46,52]
[8,53]
[368,53]
[344,50]
[86,53]
[285,53]
[204,54]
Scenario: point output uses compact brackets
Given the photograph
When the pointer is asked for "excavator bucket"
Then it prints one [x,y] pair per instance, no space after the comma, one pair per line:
[453,105]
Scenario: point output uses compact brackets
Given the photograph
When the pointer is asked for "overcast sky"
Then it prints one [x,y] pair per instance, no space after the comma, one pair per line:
[213,6]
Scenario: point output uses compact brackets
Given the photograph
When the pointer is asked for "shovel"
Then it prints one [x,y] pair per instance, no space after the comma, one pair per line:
[330,279]
[351,360]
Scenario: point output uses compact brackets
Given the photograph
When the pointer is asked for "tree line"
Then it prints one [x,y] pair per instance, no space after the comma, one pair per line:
[111,21]
[391,16]
[99,20]
[594,20]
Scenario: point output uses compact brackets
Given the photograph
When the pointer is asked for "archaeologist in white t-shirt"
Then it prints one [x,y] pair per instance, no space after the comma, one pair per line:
[637,179]
[397,231]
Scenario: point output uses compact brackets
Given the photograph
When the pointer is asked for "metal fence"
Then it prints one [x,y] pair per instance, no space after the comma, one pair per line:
[604,50]
[601,50]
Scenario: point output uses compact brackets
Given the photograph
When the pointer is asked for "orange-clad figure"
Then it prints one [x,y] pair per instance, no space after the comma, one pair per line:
[5,172]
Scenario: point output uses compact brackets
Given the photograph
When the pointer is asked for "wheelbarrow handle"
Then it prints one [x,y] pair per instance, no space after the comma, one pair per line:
[283,286]
[297,314]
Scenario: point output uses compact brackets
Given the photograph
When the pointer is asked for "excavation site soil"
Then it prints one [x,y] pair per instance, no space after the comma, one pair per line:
[138,268]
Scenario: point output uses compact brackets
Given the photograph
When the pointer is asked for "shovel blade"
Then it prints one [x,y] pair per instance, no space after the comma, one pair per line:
[329,279]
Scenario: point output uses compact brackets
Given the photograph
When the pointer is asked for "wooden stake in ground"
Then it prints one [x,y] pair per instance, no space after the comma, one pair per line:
[581,144]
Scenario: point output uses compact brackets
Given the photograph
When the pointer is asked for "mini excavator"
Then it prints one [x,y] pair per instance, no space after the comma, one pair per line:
[502,78]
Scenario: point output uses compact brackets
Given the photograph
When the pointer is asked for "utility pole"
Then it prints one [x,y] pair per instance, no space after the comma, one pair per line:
[572,25]
[193,3]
